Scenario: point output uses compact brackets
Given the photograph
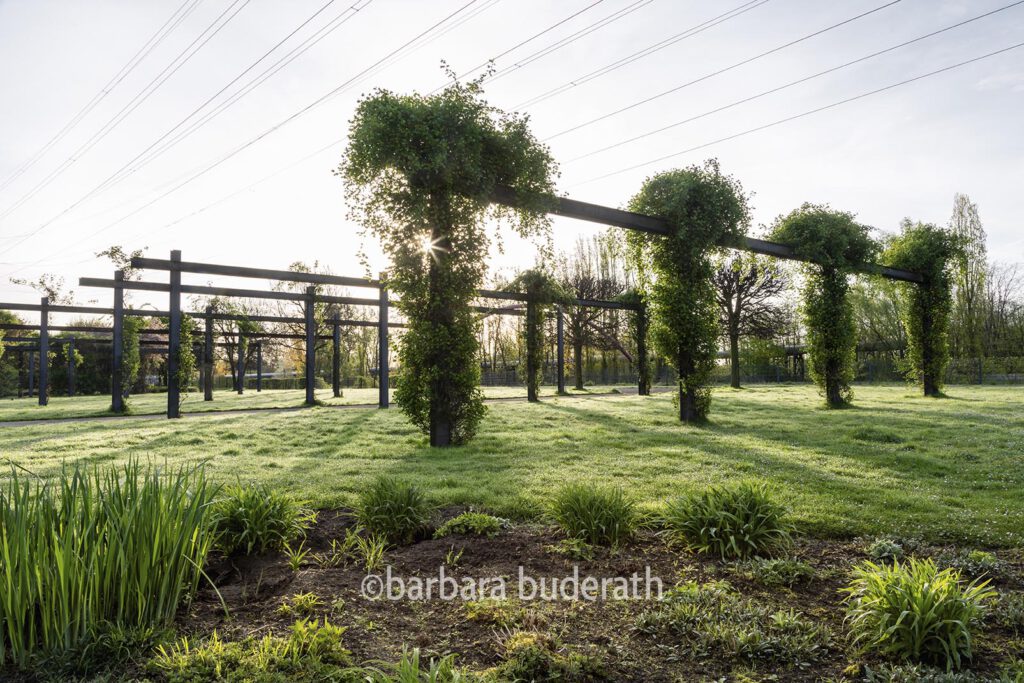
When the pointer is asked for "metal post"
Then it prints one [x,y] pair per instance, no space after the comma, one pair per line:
[383,361]
[310,347]
[259,365]
[561,350]
[240,373]
[174,346]
[208,356]
[336,364]
[69,350]
[44,351]
[643,384]
[116,371]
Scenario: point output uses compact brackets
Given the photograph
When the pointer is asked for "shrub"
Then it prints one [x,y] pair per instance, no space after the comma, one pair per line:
[775,572]
[472,524]
[532,656]
[885,549]
[311,651]
[734,522]
[915,611]
[256,518]
[712,619]
[394,509]
[600,516]
[100,551]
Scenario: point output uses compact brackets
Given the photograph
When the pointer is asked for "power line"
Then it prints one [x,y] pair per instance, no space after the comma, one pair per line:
[803,114]
[373,68]
[645,52]
[183,57]
[168,27]
[128,169]
[721,71]
[793,83]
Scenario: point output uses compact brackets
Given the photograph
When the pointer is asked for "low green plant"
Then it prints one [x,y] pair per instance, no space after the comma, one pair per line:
[596,515]
[412,669]
[311,651]
[973,563]
[915,611]
[734,522]
[255,518]
[533,656]
[713,620]
[576,548]
[89,552]
[1008,612]
[774,572]
[397,510]
[917,673]
[885,549]
[370,550]
[296,556]
[472,524]
[301,604]
[510,615]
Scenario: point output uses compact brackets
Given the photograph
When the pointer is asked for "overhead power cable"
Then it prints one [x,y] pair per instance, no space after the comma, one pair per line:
[719,72]
[801,115]
[417,41]
[645,52]
[183,57]
[793,83]
[168,27]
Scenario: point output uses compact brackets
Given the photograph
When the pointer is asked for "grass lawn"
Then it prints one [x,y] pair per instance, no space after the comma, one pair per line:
[16,409]
[942,470]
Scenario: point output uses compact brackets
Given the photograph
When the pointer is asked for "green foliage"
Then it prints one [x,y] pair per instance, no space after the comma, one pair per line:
[885,549]
[834,244]
[925,308]
[420,172]
[186,355]
[775,572]
[254,518]
[973,563]
[532,656]
[131,359]
[675,272]
[915,611]
[1008,613]
[917,673]
[301,604]
[596,515]
[86,552]
[739,521]
[713,620]
[472,524]
[411,669]
[543,290]
[311,651]
[397,510]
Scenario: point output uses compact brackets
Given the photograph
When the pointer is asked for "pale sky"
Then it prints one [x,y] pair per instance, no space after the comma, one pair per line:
[902,152]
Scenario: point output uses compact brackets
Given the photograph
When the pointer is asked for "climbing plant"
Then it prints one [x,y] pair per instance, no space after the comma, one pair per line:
[542,291]
[637,325]
[925,307]
[420,171]
[186,356]
[706,208]
[834,245]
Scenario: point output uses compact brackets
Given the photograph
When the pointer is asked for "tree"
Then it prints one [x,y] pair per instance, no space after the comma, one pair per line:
[969,296]
[420,172]
[593,271]
[747,287]
[49,285]
[834,246]
[931,252]
[705,208]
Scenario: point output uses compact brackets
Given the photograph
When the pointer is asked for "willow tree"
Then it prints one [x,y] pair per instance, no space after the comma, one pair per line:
[706,209]
[834,245]
[925,307]
[420,171]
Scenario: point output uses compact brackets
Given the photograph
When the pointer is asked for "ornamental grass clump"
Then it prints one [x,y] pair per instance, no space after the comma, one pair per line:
[396,510]
[256,519]
[915,611]
[738,522]
[595,515]
[93,550]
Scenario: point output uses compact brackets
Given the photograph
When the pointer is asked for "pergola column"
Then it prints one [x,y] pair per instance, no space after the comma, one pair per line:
[44,351]
[336,357]
[310,346]
[117,344]
[208,355]
[174,345]
[383,362]
[560,326]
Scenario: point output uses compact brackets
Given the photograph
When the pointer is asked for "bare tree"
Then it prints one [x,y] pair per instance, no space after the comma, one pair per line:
[747,289]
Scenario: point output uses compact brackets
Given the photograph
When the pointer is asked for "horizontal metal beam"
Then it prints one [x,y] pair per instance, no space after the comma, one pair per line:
[595,213]
[262,273]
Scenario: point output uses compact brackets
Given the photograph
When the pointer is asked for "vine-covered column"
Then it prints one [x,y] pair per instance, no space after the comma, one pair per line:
[420,172]
[925,307]
[834,245]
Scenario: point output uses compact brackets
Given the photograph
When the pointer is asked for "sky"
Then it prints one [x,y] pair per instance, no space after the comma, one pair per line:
[253,185]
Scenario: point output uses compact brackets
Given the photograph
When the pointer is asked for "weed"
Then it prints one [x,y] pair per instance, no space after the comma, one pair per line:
[472,524]
[296,556]
[301,604]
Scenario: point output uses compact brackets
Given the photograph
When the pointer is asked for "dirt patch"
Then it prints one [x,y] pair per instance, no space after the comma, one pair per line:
[255,588]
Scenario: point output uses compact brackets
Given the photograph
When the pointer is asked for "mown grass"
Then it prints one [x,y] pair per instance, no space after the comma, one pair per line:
[897,463]
[61,407]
